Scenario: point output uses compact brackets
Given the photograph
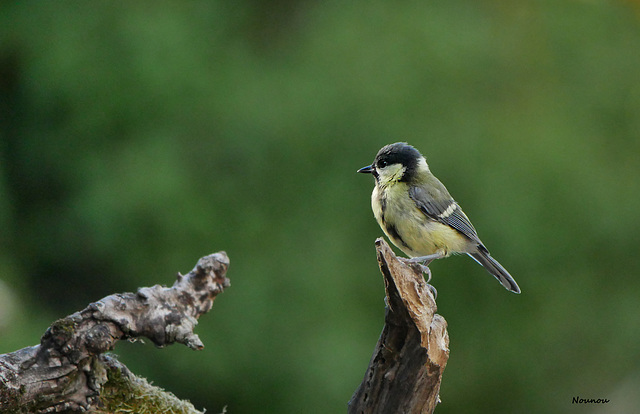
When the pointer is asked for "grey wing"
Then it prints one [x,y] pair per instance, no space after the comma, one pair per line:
[439,206]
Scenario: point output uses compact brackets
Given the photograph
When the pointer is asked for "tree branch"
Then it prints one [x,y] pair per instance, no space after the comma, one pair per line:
[68,370]
[406,368]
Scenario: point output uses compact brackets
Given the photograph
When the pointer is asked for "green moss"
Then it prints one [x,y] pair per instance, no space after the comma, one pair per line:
[7,398]
[62,330]
[11,398]
[126,393]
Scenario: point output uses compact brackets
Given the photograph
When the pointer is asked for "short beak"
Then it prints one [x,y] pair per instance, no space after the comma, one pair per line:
[366,170]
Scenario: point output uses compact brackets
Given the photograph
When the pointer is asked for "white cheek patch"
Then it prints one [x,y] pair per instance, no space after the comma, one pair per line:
[449,211]
[391,173]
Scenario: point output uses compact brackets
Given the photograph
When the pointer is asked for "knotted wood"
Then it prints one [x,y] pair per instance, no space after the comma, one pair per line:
[405,371]
[68,370]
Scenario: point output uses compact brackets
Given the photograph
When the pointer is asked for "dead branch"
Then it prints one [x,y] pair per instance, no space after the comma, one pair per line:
[68,371]
[406,368]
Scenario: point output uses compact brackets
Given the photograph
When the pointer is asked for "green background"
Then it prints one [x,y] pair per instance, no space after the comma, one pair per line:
[137,137]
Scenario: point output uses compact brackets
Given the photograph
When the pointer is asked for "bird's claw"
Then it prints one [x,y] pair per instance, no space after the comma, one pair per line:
[433,290]
[426,270]
[419,266]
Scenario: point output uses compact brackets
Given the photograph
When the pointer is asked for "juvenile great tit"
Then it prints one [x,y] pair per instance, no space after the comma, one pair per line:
[417,213]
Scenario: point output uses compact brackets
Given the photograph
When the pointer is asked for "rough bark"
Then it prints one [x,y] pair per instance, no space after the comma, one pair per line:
[69,372]
[406,368]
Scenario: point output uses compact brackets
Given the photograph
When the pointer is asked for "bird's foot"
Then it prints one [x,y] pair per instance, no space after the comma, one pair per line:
[421,267]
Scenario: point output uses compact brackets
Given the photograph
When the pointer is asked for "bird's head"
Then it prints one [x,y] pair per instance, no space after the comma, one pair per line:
[396,162]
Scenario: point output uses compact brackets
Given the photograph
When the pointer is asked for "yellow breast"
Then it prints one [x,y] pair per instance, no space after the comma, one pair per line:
[409,228]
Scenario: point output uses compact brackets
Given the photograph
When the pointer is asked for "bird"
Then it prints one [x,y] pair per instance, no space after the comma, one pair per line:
[419,216]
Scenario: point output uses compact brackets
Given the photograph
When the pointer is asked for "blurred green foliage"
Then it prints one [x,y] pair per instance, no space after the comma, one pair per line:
[137,137]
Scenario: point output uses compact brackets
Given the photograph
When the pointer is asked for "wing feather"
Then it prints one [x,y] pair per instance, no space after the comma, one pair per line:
[439,206]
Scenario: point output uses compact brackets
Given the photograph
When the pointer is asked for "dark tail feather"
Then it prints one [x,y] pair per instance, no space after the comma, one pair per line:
[496,269]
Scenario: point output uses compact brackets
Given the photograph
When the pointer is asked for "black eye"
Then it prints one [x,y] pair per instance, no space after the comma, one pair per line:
[382,164]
